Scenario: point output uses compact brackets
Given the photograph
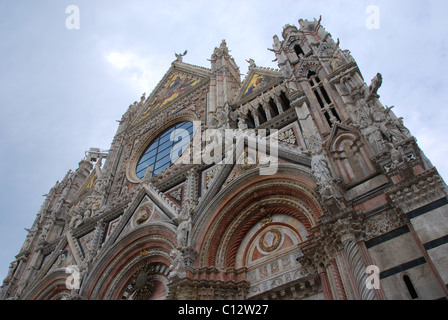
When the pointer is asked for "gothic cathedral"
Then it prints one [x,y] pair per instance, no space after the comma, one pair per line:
[293,183]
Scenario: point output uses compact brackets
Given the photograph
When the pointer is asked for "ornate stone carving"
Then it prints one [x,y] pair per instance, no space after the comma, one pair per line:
[287,136]
[177,266]
[142,282]
[374,86]
[383,223]
[419,191]
[177,194]
[320,167]
[186,289]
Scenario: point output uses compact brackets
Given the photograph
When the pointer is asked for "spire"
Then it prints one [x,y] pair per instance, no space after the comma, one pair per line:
[225,80]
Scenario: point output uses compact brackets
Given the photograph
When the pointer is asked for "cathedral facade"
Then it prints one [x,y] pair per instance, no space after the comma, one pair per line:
[293,183]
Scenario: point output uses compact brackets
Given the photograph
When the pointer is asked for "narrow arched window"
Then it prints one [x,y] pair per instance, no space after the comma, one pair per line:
[262,117]
[326,105]
[250,121]
[284,101]
[410,287]
[298,50]
[274,108]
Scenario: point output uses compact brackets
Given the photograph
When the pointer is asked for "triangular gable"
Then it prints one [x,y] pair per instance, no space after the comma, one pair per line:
[337,130]
[64,259]
[85,242]
[146,211]
[179,80]
[257,81]
[176,195]
[220,176]
[158,207]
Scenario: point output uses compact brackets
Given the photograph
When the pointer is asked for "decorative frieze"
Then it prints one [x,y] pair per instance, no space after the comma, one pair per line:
[283,270]
[418,191]
[187,289]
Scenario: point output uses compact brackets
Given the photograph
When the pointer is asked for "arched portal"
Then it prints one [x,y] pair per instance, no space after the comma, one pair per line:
[52,287]
[256,227]
[138,259]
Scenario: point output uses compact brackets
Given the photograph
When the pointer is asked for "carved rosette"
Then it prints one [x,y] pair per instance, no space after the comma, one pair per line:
[143,281]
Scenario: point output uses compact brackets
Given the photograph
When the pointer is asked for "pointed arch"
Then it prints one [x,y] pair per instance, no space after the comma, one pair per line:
[51,287]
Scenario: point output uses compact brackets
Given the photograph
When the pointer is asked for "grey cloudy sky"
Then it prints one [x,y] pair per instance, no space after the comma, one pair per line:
[61,90]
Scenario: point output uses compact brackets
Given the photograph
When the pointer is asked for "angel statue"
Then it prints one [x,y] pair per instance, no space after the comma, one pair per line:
[251,63]
[180,55]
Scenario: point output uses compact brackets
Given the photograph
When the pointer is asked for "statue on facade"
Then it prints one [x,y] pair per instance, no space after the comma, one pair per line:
[395,127]
[177,266]
[395,155]
[76,217]
[147,175]
[375,84]
[242,125]
[329,189]
[320,167]
[12,268]
[29,239]
[335,61]
[61,258]
[184,227]
[46,229]
[179,56]
[221,116]
[251,63]
[372,133]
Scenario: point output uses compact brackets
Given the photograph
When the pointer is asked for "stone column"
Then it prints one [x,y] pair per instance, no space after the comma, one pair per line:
[255,116]
[279,104]
[267,110]
[325,285]
[357,266]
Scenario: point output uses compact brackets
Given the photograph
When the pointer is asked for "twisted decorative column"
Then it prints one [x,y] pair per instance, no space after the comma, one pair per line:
[338,280]
[325,285]
[357,266]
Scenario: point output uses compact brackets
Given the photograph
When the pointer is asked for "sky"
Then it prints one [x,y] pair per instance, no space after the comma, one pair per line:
[63,88]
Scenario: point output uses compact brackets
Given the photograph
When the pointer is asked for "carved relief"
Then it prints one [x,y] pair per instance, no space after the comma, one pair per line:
[418,191]
[383,223]
[287,136]
[270,240]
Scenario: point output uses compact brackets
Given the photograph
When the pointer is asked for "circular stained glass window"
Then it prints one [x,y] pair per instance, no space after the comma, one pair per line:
[165,149]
